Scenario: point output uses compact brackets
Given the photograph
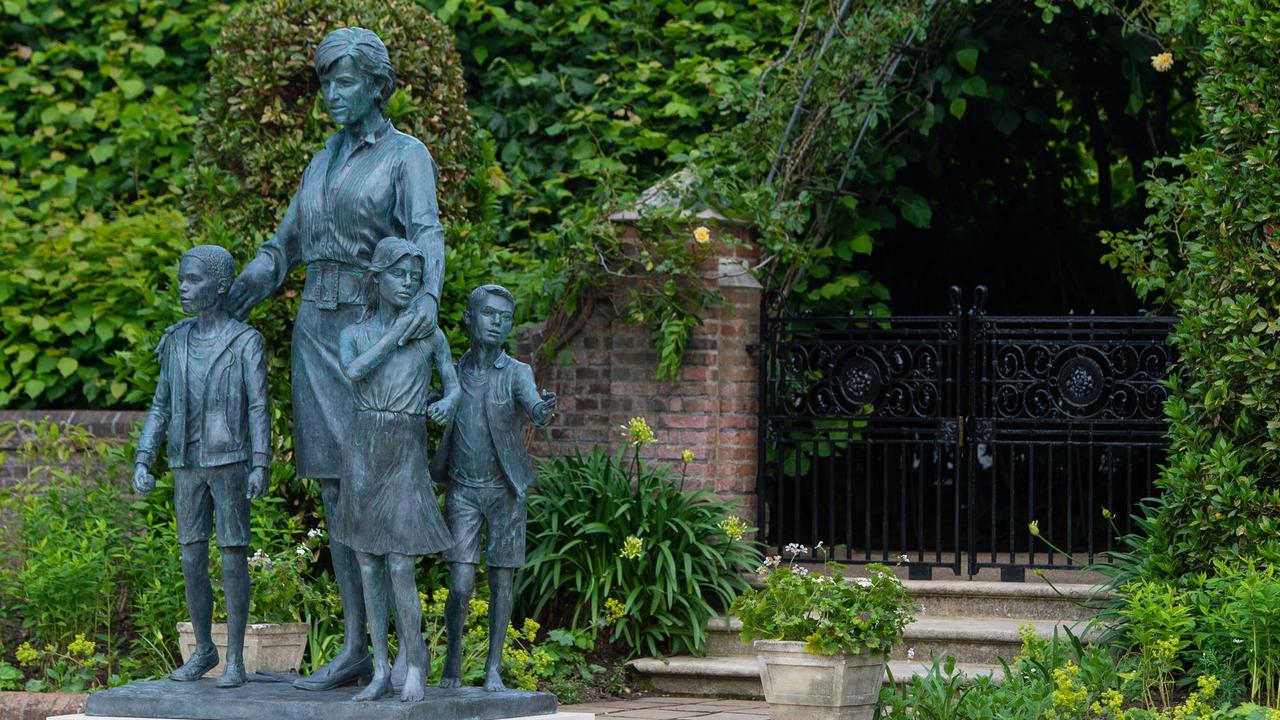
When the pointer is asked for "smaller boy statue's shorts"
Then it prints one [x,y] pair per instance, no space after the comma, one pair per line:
[201,495]
[503,516]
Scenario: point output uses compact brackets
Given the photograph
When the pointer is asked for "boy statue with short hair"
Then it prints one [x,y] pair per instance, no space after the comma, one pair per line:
[483,459]
[211,401]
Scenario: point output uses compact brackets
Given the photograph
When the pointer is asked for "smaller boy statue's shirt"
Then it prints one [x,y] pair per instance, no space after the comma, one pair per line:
[200,357]
[474,460]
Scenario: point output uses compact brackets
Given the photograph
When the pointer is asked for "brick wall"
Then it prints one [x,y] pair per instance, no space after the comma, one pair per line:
[107,424]
[611,376]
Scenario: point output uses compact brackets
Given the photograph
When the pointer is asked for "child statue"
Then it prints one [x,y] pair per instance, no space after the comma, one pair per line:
[211,401]
[387,511]
[483,459]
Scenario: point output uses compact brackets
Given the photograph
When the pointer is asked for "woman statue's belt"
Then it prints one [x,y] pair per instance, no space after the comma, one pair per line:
[330,284]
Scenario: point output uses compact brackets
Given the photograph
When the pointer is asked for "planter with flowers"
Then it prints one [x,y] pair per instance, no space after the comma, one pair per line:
[275,638]
[821,639]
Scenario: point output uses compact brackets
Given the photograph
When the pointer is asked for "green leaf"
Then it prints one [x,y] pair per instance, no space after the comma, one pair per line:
[34,387]
[67,366]
[967,58]
[132,88]
[914,209]
[958,107]
[103,151]
[152,55]
[975,86]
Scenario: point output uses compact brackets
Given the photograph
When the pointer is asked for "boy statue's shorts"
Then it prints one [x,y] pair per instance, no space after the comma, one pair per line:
[201,495]
[503,515]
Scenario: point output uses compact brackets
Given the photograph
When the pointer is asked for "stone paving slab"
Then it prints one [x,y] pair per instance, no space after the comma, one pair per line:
[674,708]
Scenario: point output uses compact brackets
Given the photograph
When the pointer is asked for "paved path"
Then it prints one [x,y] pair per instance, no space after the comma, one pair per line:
[674,708]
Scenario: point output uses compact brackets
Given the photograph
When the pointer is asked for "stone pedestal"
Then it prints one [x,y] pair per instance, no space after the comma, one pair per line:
[281,701]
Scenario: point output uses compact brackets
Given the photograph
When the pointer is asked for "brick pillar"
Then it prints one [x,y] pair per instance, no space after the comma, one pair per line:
[608,374]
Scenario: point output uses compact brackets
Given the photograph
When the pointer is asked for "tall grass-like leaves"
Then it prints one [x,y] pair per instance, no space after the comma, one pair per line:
[687,570]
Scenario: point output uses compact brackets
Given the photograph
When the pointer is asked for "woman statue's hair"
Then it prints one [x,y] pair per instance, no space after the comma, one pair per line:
[366,49]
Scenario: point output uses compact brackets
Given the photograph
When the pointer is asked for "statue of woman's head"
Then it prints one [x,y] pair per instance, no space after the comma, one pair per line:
[355,72]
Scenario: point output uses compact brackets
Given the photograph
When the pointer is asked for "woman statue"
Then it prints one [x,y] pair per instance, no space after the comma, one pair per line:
[387,512]
[369,182]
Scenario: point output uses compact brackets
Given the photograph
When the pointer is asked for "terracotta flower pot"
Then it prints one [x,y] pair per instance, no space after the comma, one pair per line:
[267,646]
[800,685]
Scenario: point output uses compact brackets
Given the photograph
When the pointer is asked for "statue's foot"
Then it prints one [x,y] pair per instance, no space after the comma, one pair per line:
[344,670]
[493,681]
[233,675]
[379,686]
[413,683]
[450,682]
[200,662]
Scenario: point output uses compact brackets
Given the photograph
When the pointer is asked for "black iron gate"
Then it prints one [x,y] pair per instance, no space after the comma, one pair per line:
[939,440]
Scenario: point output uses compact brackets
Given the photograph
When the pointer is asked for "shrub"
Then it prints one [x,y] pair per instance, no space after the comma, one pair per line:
[1211,250]
[98,102]
[620,548]
[81,304]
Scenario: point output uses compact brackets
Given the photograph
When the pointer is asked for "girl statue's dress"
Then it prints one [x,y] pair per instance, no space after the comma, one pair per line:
[387,504]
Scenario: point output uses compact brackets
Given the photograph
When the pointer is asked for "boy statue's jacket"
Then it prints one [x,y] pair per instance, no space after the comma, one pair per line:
[236,425]
[511,397]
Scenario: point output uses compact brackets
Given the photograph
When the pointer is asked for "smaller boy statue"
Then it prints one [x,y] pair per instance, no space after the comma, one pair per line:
[482,458]
[211,400]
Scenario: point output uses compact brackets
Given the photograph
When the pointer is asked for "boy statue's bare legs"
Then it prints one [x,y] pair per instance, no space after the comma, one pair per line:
[235,585]
[462,581]
[199,591]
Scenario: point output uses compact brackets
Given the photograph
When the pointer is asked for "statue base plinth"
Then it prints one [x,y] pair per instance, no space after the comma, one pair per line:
[200,700]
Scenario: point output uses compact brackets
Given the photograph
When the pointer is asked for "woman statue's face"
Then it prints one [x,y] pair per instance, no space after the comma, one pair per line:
[349,94]
[398,284]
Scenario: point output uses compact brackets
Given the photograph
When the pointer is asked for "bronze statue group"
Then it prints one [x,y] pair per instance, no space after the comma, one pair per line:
[365,223]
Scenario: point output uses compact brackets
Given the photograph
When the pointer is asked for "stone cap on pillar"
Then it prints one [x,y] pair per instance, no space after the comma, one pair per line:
[668,193]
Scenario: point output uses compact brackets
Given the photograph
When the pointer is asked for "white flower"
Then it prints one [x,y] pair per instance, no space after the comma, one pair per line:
[863,582]
[911,653]
[802,571]
[903,557]
[794,549]
[773,561]
[315,533]
[301,550]
[1238,641]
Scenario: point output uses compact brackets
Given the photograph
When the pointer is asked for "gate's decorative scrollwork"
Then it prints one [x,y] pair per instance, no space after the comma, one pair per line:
[886,373]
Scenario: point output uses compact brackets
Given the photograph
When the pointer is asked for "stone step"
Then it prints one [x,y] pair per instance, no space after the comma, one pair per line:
[981,640]
[1029,600]
[739,676]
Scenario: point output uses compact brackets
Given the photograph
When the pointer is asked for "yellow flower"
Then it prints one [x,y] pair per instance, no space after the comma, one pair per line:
[80,646]
[440,595]
[530,629]
[701,234]
[1110,701]
[478,608]
[733,527]
[631,547]
[26,654]
[1162,62]
[637,432]
[1034,527]
[686,457]
[649,266]
[614,610]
